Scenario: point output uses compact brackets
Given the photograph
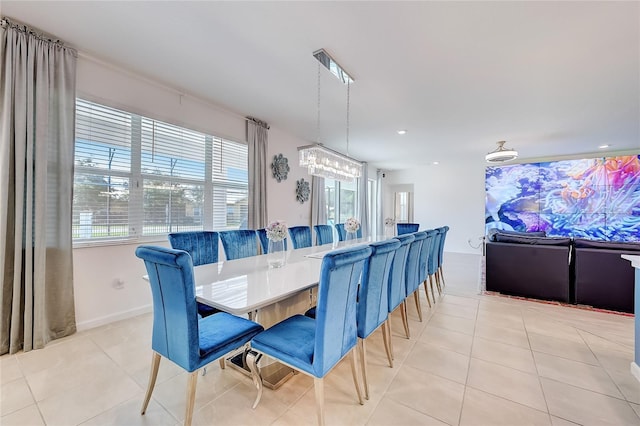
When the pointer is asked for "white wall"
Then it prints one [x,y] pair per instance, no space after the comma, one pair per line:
[451,193]
[108,282]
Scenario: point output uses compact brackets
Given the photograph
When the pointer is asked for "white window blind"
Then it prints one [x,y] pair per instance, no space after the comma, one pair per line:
[138,177]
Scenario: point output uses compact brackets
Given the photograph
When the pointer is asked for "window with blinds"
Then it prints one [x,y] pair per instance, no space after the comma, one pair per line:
[136,176]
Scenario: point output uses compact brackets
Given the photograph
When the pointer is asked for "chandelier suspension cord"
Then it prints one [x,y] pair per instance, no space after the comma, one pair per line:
[348,107]
[318,106]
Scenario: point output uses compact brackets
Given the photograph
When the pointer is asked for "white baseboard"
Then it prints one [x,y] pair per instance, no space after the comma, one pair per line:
[635,371]
[97,322]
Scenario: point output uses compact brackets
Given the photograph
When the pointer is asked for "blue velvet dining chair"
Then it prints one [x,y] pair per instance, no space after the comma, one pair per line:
[432,266]
[264,240]
[373,300]
[300,236]
[412,270]
[203,248]
[315,346]
[324,234]
[397,287]
[443,235]
[425,258]
[179,335]
[342,233]
[407,228]
[239,243]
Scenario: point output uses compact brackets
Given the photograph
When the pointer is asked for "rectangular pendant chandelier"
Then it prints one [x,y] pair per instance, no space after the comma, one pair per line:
[327,163]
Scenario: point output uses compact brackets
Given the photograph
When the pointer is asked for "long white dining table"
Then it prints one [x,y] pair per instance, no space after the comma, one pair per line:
[247,285]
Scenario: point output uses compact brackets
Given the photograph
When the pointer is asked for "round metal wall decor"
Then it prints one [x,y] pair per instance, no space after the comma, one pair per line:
[280,167]
[302,190]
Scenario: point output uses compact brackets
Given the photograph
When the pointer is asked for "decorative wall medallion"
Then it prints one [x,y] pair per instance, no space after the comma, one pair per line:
[280,167]
[302,191]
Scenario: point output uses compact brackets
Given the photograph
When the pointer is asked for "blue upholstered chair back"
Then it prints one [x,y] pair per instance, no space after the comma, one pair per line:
[239,243]
[443,235]
[407,228]
[430,243]
[264,240]
[300,236]
[397,288]
[424,255]
[342,233]
[413,262]
[336,332]
[373,296]
[175,320]
[324,234]
[201,245]
[435,250]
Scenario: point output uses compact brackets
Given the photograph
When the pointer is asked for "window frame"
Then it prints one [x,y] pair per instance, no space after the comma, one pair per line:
[210,181]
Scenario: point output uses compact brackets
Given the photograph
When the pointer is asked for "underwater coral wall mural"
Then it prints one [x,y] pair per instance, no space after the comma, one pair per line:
[597,198]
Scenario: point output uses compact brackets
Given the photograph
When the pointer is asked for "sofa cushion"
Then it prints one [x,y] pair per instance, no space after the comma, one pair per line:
[610,245]
[521,239]
[493,232]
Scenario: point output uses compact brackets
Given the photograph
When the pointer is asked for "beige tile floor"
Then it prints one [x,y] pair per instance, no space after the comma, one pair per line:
[474,360]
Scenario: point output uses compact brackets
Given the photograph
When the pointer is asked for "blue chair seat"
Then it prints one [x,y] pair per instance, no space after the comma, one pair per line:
[214,332]
[292,341]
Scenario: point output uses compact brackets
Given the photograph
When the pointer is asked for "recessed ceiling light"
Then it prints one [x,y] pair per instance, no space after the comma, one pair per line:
[435,163]
[402,132]
[605,146]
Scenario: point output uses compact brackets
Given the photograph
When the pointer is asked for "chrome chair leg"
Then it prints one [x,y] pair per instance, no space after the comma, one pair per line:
[363,366]
[431,284]
[252,362]
[153,374]
[426,292]
[416,297]
[318,387]
[354,373]
[405,321]
[386,338]
[191,397]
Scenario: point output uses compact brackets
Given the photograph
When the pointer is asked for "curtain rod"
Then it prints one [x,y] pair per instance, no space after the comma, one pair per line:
[37,33]
[259,122]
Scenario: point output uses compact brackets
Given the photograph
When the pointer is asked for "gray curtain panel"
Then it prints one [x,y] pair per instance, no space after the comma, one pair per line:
[318,201]
[380,201]
[363,210]
[258,140]
[37,125]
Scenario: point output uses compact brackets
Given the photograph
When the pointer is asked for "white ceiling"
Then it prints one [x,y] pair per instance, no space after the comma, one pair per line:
[551,78]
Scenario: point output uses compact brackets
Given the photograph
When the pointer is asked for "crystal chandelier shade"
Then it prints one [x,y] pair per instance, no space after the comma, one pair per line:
[324,162]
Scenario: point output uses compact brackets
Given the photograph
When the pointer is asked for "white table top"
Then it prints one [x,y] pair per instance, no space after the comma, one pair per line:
[635,260]
[245,285]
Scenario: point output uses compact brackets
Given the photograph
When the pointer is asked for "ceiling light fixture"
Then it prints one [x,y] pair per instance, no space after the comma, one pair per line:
[329,63]
[318,159]
[501,154]
[605,146]
[402,132]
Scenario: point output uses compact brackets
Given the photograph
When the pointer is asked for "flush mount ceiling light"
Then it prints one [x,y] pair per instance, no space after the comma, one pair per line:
[318,159]
[402,132]
[501,154]
[605,146]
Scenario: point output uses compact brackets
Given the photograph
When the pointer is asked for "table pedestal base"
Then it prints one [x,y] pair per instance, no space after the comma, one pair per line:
[273,375]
